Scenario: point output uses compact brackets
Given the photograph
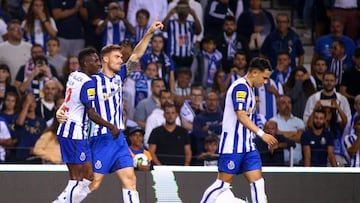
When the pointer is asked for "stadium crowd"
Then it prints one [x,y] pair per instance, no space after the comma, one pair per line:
[174,99]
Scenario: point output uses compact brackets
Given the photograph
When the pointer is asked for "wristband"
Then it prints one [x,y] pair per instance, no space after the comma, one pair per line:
[43,21]
[260,133]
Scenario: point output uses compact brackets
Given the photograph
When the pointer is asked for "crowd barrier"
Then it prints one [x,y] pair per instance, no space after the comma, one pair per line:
[169,184]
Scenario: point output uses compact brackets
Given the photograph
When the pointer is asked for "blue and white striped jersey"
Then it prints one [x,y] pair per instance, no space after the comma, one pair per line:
[267,100]
[349,140]
[114,33]
[180,38]
[108,102]
[235,138]
[80,95]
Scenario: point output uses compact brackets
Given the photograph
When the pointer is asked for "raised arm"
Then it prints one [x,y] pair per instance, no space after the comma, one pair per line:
[140,48]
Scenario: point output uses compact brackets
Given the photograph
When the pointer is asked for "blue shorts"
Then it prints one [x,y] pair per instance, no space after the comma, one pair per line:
[239,163]
[110,155]
[74,151]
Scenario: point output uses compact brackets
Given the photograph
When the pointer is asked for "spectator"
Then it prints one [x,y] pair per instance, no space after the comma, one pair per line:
[283,68]
[5,139]
[206,62]
[239,68]
[349,129]
[156,8]
[18,9]
[339,62]
[14,52]
[210,157]
[114,27]
[45,107]
[192,107]
[69,21]
[47,147]
[349,87]
[322,47]
[196,6]
[352,144]
[208,122]
[347,12]
[29,127]
[181,34]
[290,126]
[169,144]
[267,98]
[318,73]
[215,12]
[156,54]
[299,88]
[10,112]
[283,39]
[255,25]
[182,86]
[71,65]
[156,118]
[273,156]
[218,86]
[317,143]
[38,25]
[328,94]
[54,57]
[136,138]
[33,74]
[5,85]
[146,106]
[137,87]
[142,24]
[230,42]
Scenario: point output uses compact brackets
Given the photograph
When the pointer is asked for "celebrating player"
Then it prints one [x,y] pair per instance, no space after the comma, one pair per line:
[72,134]
[237,149]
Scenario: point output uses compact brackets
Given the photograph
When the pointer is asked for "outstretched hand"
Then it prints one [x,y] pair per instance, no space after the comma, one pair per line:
[115,132]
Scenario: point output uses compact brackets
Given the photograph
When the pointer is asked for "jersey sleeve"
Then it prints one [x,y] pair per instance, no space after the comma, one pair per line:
[87,93]
[305,139]
[240,96]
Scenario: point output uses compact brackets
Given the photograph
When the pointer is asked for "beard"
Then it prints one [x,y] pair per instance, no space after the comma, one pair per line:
[170,122]
[318,126]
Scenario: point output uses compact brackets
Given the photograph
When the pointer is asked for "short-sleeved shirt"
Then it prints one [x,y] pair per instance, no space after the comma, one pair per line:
[80,96]
[236,138]
[170,145]
[318,146]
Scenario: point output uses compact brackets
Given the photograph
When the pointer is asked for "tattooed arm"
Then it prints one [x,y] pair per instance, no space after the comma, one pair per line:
[140,48]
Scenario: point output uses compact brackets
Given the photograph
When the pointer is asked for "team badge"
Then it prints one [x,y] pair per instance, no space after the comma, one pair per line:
[231,165]
[323,141]
[98,164]
[82,156]
[91,93]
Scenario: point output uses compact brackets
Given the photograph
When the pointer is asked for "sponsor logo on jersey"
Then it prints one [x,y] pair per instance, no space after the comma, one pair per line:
[240,96]
[91,93]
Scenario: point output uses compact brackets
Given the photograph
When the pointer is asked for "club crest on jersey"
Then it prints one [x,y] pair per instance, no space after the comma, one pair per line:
[231,165]
[240,96]
[82,156]
[91,93]
[98,164]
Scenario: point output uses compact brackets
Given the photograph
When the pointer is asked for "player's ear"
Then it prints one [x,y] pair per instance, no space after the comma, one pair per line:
[105,59]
